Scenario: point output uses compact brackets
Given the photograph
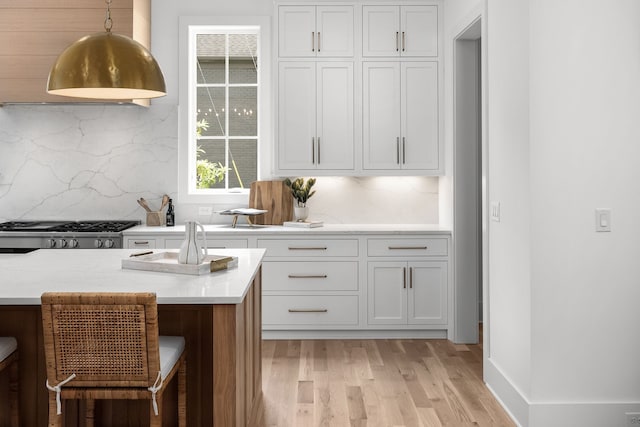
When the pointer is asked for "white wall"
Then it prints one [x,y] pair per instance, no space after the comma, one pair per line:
[585,105]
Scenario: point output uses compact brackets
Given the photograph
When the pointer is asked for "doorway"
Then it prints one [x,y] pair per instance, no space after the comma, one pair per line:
[467,182]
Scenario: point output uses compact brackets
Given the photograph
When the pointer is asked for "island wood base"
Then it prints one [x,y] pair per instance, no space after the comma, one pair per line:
[224,360]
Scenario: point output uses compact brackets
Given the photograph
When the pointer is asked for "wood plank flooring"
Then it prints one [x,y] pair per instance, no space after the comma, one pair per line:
[384,383]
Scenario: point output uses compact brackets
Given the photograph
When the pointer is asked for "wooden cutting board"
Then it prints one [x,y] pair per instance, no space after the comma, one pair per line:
[273,196]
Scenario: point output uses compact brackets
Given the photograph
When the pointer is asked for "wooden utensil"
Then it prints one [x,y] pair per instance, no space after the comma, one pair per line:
[142,202]
[165,202]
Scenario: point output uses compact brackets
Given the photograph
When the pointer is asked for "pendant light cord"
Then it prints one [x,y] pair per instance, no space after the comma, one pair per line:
[108,23]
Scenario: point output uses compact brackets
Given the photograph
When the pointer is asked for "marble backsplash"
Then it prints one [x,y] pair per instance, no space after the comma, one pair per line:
[93,162]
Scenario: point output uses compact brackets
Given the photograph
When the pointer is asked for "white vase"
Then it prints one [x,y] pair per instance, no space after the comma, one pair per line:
[190,251]
[301,213]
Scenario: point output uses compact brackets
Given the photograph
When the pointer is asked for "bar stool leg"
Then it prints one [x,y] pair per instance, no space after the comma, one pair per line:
[90,413]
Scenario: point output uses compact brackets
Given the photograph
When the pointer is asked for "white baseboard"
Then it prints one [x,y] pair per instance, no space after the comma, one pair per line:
[352,334]
[554,414]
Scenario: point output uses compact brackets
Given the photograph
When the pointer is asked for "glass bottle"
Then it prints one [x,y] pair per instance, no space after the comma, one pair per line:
[171,217]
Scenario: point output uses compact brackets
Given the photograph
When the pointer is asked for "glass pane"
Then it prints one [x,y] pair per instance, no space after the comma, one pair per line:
[210,111]
[243,58]
[210,51]
[210,164]
[243,111]
[243,162]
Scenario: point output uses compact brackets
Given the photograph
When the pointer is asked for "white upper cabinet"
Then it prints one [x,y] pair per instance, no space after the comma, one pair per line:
[400,116]
[315,116]
[315,31]
[407,31]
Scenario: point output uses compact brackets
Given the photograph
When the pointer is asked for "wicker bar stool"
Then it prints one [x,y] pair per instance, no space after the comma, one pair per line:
[106,346]
[9,360]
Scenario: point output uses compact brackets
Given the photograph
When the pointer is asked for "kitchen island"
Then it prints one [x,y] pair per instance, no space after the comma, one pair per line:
[219,314]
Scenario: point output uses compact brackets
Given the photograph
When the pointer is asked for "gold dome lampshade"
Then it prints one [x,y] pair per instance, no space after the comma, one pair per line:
[106,66]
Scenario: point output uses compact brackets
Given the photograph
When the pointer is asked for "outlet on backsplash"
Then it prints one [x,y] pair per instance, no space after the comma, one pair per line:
[204,210]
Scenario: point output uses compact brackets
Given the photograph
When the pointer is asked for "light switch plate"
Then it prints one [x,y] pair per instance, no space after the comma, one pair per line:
[495,211]
[603,219]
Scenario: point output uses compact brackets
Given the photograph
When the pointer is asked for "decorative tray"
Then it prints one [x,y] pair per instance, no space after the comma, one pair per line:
[167,262]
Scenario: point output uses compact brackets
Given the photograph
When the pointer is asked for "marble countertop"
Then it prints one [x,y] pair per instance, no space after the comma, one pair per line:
[245,229]
[26,276]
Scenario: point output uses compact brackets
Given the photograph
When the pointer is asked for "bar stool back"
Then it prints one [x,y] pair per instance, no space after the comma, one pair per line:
[106,346]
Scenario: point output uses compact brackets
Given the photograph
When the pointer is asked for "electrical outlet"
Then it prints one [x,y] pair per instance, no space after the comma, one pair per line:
[204,210]
[495,211]
[633,419]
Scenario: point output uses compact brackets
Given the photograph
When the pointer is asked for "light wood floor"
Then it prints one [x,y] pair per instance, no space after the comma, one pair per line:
[376,383]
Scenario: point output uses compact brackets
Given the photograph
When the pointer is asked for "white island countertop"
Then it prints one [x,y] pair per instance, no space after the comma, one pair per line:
[25,277]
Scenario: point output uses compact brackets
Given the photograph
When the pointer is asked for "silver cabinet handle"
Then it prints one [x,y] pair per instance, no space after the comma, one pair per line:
[318,41]
[313,41]
[404,277]
[407,247]
[307,248]
[403,42]
[403,152]
[308,310]
[318,140]
[313,150]
[398,150]
[141,243]
[410,277]
[397,42]
[307,276]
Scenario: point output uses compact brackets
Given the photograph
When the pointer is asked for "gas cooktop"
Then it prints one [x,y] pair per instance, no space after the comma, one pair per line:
[68,226]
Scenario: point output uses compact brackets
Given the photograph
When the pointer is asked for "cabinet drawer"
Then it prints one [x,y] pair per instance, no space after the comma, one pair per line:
[432,246]
[212,243]
[309,276]
[141,244]
[310,310]
[310,247]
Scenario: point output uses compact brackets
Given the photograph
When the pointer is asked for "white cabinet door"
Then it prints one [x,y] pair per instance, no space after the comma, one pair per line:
[387,293]
[400,116]
[419,31]
[296,115]
[309,31]
[427,297]
[296,31]
[316,116]
[381,115]
[335,140]
[419,115]
[334,31]
[407,31]
[380,32]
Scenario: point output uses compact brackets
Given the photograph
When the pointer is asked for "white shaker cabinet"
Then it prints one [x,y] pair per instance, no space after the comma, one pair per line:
[315,31]
[315,116]
[413,293]
[407,31]
[401,116]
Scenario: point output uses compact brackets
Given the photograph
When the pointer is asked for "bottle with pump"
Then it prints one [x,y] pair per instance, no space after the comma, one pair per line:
[171,217]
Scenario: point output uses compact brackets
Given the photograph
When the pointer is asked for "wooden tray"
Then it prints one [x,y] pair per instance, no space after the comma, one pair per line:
[167,262]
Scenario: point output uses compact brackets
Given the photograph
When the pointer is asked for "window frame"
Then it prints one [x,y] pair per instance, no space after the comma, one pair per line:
[189,26]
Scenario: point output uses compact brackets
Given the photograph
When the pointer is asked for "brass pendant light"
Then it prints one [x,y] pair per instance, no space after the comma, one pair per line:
[106,66]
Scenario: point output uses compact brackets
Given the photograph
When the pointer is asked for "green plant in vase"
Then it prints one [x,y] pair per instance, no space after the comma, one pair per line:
[301,192]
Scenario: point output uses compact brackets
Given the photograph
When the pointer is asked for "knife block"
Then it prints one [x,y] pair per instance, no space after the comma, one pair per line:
[155,219]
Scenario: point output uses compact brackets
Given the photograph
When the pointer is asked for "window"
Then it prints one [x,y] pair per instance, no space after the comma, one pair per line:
[222,103]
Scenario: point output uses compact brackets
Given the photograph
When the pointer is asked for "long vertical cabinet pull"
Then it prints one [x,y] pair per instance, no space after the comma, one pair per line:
[397,48]
[313,150]
[318,41]
[318,137]
[313,41]
[403,42]
[410,277]
[404,277]
[398,150]
[404,152]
